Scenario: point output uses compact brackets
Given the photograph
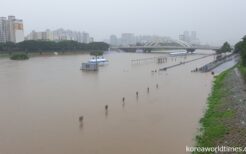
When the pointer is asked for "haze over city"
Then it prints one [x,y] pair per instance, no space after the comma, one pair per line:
[214,23]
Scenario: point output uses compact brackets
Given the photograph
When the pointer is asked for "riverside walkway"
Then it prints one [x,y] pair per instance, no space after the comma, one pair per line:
[181,63]
[210,66]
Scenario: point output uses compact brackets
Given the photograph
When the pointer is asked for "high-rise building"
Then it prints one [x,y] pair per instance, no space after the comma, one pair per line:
[3,29]
[85,38]
[113,40]
[128,39]
[189,37]
[36,36]
[186,36]
[15,31]
[48,35]
[11,30]
[193,36]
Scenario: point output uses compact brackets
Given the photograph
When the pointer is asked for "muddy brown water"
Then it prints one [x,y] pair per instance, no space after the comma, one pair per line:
[41,100]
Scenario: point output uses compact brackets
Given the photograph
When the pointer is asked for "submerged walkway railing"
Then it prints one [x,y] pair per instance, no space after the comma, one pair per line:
[159,60]
[210,66]
[181,63]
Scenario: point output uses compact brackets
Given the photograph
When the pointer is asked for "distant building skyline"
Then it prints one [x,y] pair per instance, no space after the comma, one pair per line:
[12,30]
[60,35]
[127,39]
[189,37]
[210,18]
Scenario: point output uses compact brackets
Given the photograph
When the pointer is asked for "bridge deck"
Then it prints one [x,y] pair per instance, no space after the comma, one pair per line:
[165,47]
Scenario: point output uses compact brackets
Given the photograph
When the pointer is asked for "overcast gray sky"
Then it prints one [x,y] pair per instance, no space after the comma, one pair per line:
[215,21]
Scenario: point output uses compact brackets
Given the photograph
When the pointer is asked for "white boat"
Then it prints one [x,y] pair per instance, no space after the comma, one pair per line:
[99,61]
[178,53]
[139,51]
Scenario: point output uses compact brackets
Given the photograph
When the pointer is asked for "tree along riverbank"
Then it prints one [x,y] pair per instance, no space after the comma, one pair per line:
[224,123]
[36,48]
[51,46]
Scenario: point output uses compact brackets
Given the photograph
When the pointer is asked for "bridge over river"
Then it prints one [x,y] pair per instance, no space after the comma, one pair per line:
[151,48]
[158,45]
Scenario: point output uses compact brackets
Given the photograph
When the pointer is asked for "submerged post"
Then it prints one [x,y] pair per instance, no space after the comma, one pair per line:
[81,118]
[106,107]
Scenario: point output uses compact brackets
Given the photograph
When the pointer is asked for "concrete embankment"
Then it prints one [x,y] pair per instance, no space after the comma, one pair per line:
[224,123]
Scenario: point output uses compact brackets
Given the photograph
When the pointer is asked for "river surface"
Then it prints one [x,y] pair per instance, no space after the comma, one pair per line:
[41,100]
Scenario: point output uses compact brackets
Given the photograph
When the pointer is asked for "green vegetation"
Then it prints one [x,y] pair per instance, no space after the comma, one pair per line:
[237,47]
[214,123]
[4,55]
[213,127]
[226,47]
[240,47]
[243,71]
[51,46]
[96,53]
[19,56]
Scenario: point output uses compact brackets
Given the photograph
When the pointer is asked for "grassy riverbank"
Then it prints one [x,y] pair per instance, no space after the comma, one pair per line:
[212,125]
[224,123]
[243,71]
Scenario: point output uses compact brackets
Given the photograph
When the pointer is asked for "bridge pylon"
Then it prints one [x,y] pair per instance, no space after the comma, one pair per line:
[190,50]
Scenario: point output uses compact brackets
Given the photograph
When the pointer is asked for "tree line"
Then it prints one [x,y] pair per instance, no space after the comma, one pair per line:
[240,47]
[226,47]
[51,46]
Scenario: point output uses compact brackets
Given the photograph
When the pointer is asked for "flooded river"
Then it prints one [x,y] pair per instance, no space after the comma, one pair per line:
[41,100]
